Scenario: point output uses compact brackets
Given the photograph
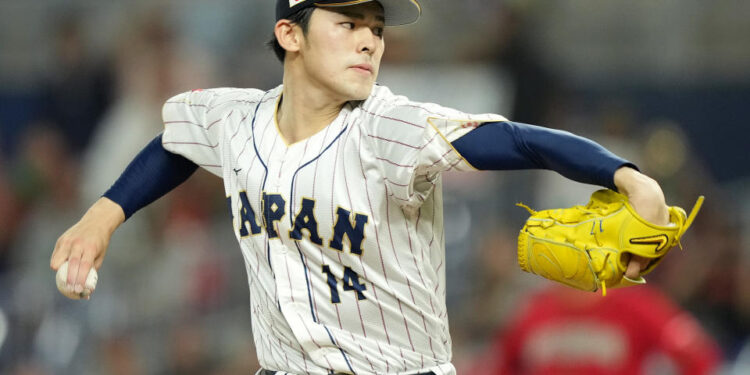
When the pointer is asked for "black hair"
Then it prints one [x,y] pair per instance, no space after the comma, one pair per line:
[301,18]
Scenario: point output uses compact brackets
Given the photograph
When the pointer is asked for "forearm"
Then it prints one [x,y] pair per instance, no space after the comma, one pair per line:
[508,145]
[153,173]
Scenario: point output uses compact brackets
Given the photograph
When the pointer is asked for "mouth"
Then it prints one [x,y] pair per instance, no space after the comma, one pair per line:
[363,68]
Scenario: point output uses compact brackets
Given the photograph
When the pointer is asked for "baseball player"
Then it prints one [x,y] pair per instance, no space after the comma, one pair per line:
[334,187]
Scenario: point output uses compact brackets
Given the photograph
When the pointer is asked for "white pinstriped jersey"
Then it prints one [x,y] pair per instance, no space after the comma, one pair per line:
[341,233]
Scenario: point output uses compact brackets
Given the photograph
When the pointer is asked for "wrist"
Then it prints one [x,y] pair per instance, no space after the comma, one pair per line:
[628,180]
[106,213]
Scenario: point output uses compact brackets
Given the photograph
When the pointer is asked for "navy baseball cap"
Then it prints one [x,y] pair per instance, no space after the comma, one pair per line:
[397,12]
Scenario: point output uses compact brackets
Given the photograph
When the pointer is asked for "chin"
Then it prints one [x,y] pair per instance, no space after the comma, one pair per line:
[361,92]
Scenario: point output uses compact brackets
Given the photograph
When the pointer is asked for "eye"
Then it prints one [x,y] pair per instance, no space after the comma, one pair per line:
[348,25]
[378,31]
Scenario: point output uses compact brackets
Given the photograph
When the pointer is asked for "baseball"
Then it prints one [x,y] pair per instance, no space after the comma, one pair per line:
[62,277]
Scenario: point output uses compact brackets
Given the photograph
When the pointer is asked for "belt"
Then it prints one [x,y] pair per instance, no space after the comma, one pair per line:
[271,372]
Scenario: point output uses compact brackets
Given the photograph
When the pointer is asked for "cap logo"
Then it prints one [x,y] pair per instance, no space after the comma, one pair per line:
[292,3]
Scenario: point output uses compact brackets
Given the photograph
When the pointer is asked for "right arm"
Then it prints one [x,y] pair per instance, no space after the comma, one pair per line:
[160,167]
[153,173]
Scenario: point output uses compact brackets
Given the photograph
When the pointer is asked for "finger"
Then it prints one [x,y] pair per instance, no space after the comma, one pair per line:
[635,265]
[665,215]
[59,254]
[73,263]
[661,215]
[83,271]
[98,262]
[633,270]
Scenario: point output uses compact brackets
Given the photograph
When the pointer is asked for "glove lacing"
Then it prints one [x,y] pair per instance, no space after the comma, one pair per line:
[689,221]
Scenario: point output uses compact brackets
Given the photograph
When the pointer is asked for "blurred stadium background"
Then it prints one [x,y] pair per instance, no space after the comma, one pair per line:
[665,84]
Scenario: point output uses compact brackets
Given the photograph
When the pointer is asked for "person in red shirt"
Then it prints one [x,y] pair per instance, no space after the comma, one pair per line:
[634,330]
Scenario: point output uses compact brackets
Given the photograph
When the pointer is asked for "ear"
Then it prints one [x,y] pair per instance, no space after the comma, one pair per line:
[289,35]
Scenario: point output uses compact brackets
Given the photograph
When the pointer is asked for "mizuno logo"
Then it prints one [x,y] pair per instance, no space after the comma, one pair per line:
[660,240]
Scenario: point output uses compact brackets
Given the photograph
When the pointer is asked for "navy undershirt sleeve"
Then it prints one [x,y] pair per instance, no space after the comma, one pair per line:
[511,145]
[153,173]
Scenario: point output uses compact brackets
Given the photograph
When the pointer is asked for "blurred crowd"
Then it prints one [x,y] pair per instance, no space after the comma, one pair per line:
[81,94]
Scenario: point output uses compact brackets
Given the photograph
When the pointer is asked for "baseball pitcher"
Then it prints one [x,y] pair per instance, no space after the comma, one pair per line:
[334,185]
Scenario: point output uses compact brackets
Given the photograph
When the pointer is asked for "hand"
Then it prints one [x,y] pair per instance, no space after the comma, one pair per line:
[85,243]
[647,199]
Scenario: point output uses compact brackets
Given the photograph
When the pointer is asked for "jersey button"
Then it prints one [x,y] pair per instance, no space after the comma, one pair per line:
[277,246]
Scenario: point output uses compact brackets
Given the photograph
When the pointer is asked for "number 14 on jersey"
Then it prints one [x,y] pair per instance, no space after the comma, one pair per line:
[350,282]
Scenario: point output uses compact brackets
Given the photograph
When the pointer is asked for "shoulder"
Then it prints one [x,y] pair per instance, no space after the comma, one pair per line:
[384,111]
[383,106]
[383,102]
[387,113]
[238,94]
[219,97]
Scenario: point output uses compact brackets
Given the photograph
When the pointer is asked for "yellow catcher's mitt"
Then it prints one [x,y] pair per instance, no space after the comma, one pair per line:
[589,246]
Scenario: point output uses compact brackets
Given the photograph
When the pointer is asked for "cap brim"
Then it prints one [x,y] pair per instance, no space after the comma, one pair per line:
[397,12]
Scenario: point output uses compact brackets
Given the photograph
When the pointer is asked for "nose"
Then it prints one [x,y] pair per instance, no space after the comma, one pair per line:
[368,41]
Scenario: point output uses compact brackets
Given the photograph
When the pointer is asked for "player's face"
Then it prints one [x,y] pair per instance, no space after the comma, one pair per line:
[343,48]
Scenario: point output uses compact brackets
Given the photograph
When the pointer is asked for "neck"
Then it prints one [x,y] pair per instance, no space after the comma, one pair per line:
[305,108]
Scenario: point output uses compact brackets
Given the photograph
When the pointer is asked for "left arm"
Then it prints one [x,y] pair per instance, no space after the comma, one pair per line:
[509,145]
